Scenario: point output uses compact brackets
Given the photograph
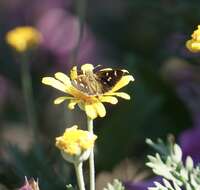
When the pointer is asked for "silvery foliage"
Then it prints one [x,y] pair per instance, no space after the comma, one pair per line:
[116,185]
[168,163]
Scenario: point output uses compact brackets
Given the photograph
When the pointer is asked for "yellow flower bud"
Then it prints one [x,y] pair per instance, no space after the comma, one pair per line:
[75,144]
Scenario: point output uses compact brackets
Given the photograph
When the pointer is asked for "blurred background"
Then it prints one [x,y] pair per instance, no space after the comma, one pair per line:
[145,37]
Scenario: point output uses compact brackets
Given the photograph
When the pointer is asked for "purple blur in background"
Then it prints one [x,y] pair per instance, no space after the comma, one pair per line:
[60,36]
[189,141]
[142,185]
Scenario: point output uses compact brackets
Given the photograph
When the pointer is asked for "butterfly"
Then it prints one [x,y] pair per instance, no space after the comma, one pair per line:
[98,82]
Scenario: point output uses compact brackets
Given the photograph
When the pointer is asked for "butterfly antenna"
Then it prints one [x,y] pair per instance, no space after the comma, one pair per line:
[97,66]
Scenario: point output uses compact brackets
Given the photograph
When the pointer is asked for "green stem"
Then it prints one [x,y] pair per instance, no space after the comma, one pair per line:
[27,92]
[79,175]
[91,159]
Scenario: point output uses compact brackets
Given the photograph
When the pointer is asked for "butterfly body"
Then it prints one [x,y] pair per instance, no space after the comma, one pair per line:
[98,82]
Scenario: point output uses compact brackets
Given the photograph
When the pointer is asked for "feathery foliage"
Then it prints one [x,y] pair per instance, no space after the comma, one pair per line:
[116,185]
[168,163]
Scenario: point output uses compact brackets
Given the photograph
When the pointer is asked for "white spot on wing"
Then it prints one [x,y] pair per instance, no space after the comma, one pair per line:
[109,79]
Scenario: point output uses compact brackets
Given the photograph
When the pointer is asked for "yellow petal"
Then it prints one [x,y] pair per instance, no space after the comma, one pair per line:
[190,44]
[123,82]
[106,69]
[61,99]
[54,83]
[108,99]
[70,89]
[125,71]
[100,109]
[195,46]
[63,78]
[87,67]
[73,73]
[90,111]
[121,95]
[72,104]
[73,149]
[72,128]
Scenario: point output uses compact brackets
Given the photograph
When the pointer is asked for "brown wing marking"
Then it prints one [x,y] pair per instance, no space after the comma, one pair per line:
[108,78]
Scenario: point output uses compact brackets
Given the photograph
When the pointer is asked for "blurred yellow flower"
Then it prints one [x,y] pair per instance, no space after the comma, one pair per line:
[22,38]
[194,44]
[75,141]
[89,89]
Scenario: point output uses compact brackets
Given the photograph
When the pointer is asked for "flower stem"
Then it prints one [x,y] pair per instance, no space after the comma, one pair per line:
[79,175]
[91,159]
[27,92]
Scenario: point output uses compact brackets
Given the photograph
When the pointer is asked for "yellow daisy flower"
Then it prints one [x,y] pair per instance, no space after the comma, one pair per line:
[75,141]
[23,38]
[194,44]
[89,89]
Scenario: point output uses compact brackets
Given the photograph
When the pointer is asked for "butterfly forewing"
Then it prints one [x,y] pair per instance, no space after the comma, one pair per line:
[109,78]
[88,84]
[80,84]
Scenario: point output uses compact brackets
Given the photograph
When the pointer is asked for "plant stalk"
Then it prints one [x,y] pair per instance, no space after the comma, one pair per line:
[27,92]
[91,158]
[79,175]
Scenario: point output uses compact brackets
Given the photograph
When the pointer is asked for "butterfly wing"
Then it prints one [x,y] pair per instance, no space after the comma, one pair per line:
[88,84]
[98,82]
[81,84]
[109,78]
